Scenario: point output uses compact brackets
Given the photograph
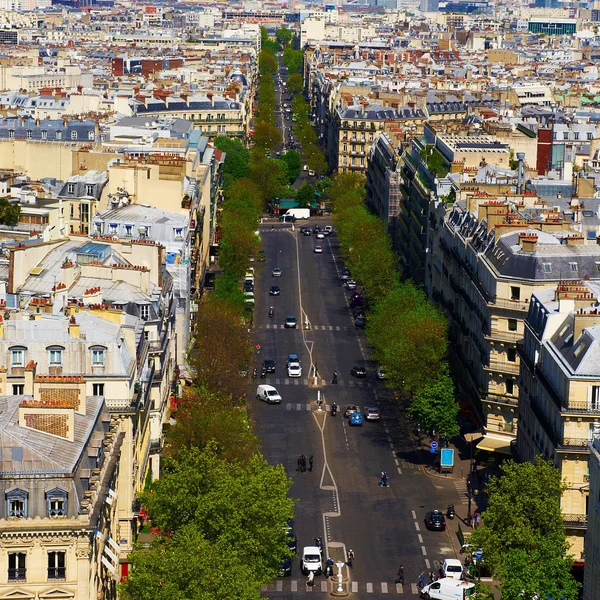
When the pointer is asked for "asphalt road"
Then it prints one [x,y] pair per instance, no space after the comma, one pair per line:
[340,500]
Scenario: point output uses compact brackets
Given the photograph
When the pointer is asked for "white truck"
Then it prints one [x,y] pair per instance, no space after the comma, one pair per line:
[448,589]
[298,213]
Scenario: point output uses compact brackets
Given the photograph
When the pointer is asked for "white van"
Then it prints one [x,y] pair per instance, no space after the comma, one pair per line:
[452,568]
[311,560]
[448,589]
[268,394]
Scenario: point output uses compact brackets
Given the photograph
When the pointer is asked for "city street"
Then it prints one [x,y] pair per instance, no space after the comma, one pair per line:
[340,500]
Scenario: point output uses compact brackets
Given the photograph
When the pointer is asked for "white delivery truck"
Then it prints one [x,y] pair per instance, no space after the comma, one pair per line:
[448,589]
[268,394]
[298,213]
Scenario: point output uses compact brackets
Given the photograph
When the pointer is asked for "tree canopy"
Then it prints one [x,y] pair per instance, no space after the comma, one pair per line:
[293,162]
[305,195]
[522,533]
[236,159]
[295,85]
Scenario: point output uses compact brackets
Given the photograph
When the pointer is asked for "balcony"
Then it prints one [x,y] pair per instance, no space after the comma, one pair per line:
[519,306]
[17,574]
[581,407]
[574,445]
[575,521]
[500,399]
[501,366]
[508,337]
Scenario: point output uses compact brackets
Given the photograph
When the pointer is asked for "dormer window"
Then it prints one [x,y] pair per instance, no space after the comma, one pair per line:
[16,503]
[89,189]
[128,230]
[144,311]
[73,135]
[113,227]
[56,503]
[29,134]
[70,188]
[178,233]
[90,135]
[17,357]
[98,357]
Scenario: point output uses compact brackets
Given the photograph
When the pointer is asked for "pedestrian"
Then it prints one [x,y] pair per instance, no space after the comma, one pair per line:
[350,557]
[299,463]
[384,477]
[477,521]
[311,578]
[431,577]
[310,463]
[473,519]
[303,463]
[421,581]
[400,578]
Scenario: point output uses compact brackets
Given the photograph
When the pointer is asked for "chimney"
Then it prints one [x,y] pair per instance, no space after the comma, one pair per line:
[574,240]
[3,381]
[68,273]
[520,158]
[528,241]
[74,329]
[29,376]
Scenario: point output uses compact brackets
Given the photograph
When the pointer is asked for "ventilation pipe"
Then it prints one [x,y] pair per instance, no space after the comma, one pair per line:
[520,158]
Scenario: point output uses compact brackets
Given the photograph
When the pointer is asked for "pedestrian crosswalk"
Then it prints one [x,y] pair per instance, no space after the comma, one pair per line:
[327,586]
[461,488]
[312,327]
[299,381]
[302,406]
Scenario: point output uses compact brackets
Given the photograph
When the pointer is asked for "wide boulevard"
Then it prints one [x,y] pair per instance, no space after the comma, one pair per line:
[340,500]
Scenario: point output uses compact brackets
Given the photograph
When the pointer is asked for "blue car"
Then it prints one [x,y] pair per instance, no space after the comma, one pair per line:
[355,419]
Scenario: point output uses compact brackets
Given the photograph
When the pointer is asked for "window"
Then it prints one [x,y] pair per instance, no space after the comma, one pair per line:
[11,133]
[17,357]
[90,135]
[590,135]
[547,267]
[44,135]
[512,324]
[98,358]
[146,335]
[29,134]
[594,399]
[55,356]
[56,565]
[18,389]
[59,135]
[509,386]
[576,134]
[72,210]
[145,311]
[89,189]
[97,389]
[178,233]
[128,230]
[73,135]
[515,292]
[511,355]
[16,503]
[70,188]
[56,502]
[113,228]
[16,566]
[573,267]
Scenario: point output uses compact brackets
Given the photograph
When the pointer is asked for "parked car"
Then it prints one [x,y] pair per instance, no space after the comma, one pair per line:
[345,275]
[290,322]
[277,272]
[358,371]
[355,419]
[381,374]
[435,521]
[448,589]
[285,569]
[311,173]
[451,568]
[292,540]
[275,290]
[318,250]
[360,321]
[351,285]
[371,413]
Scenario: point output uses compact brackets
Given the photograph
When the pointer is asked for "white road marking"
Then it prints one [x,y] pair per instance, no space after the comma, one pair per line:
[294,586]
[414,514]
[296,382]
[355,586]
[323,586]
[420,536]
[396,461]
[369,588]
[424,550]
[298,406]
[414,588]
[399,589]
[384,587]
[279,586]
[331,328]
[277,382]
[399,471]
[287,382]
[337,327]
[418,528]
[427,563]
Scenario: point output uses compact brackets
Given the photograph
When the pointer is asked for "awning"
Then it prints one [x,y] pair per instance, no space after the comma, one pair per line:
[474,436]
[495,443]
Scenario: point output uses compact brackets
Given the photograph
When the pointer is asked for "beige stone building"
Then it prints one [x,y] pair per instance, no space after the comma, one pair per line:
[559,404]
[591,581]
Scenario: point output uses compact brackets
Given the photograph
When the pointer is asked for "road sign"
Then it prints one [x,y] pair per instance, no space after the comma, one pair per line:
[479,554]
[434,446]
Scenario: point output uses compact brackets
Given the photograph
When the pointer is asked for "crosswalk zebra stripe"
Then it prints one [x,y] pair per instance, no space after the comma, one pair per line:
[384,587]
[355,586]
[369,588]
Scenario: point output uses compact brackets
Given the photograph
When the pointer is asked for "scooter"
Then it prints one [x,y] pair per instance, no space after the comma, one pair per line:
[333,410]
[263,373]
[254,373]
[335,378]
[450,512]
[270,313]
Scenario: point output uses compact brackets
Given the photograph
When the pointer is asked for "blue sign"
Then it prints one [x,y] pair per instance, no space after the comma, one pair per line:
[447,457]
[433,448]
[479,554]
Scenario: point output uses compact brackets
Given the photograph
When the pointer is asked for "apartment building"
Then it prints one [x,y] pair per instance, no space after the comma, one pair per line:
[560,393]
[591,580]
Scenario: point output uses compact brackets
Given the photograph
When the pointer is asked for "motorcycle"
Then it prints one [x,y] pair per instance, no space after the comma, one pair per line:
[254,373]
[329,567]
[263,373]
[319,544]
[333,410]
[335,377]
[450,512]
[270,313]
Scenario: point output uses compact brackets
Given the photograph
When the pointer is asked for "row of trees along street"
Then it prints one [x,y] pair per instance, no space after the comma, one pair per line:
[407,332]
[219,510]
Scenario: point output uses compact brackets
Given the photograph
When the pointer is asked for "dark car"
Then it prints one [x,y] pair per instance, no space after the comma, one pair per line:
[292,540]
[435,521]
[285,568]
[248,287]
[316,229]
[357,301]
[360,321]
[358,371]
[275,290]
[358,312]
[269,366]
[290,322]
[345,275]
[306,231]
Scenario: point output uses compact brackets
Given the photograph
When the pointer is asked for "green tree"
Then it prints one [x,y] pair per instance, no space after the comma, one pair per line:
[305,195]
[9,213]
[293,162]
[295,84]
[214,515]
[236,158]
[269,174]
[293,60]
[522,533]
[283,36]
[434,407]
[266,136]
